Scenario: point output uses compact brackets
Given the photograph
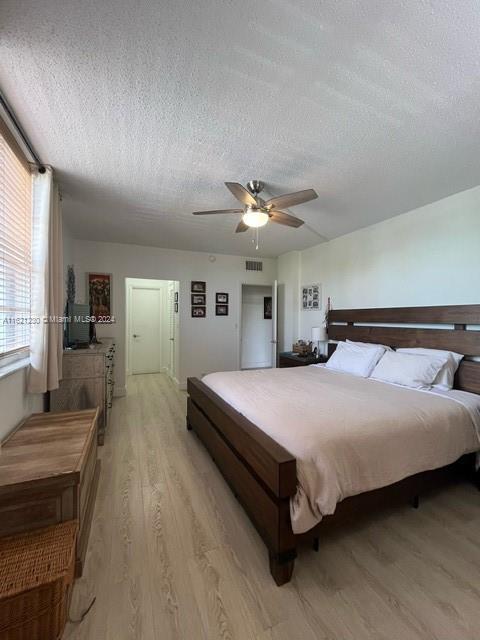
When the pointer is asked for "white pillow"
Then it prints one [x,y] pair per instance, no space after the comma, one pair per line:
[355,360]
[369,345]
[446,375]
[408,369]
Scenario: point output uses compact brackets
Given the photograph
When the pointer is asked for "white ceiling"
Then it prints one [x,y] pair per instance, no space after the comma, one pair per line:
[145,108]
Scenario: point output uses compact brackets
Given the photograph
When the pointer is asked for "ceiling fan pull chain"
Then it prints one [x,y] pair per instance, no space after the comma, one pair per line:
[256,239]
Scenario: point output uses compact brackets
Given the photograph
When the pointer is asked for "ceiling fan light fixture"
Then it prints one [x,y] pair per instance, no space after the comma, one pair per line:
[255,218]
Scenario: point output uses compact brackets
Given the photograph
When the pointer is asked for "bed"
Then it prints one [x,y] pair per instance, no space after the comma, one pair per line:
[304,449]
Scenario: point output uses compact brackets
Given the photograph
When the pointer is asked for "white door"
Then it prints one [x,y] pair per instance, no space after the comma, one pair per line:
[145,330]
[274,324]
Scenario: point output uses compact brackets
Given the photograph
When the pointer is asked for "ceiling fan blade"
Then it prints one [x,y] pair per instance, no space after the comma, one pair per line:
[291,199]
[241,194]
[285,218]
[208,213]
[241,227]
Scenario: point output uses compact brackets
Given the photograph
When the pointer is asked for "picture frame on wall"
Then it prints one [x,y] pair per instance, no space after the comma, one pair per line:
[199,312]
[199,299]
[311,297]
[221,309]
[221,298]
[198,286]
[99,294]
[267,308]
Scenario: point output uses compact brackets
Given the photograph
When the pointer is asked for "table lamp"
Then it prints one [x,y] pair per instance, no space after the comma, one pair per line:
[319,334]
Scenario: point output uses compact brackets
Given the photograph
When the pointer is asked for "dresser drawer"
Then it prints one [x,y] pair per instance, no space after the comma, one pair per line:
[76,365]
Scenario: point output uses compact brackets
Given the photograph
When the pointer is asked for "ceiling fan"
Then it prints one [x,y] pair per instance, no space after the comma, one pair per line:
[257,212]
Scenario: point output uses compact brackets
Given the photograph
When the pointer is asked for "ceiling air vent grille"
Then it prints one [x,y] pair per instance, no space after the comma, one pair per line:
[253,265]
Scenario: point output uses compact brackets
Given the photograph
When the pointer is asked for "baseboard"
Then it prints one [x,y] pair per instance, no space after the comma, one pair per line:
[119,392]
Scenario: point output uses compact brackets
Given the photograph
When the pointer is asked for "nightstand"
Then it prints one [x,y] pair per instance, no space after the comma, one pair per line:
[290,359]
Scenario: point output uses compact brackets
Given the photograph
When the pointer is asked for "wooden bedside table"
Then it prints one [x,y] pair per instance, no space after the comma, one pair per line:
[290,359]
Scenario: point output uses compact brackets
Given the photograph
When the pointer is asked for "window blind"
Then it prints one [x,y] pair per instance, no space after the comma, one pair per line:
[15,251]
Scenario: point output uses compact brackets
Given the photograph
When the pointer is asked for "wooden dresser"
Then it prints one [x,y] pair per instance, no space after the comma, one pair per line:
[88,381]
[49,473]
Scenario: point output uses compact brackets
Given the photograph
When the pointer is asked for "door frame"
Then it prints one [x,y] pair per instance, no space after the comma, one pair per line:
[239,320]
[178,321]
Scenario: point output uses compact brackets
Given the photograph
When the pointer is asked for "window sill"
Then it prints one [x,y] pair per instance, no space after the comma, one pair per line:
[10,368]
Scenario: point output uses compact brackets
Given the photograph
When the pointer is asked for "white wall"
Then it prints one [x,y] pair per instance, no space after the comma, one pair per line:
[205,345]
[256,331]
[288,299]
[15,402]
[429,256]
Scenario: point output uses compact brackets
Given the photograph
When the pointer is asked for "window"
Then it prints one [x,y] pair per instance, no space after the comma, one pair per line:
[15,249]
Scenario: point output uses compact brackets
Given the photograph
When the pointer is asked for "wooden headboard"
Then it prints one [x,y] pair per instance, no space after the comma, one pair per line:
[372,325]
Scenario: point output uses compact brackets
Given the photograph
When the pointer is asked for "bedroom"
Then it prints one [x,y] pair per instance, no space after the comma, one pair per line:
[139,113]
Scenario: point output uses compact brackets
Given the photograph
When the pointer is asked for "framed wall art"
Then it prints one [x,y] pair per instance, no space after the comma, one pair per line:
[99,290]
[267,308]
[198,299]
[311,297]
[198,286]
[221,309]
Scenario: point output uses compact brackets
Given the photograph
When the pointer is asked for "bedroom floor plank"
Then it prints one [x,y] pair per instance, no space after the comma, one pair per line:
[172,554]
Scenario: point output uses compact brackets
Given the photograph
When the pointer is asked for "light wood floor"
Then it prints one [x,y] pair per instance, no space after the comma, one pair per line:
[172,554]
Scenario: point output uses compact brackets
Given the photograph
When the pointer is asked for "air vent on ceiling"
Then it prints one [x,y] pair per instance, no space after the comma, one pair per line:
[253,265]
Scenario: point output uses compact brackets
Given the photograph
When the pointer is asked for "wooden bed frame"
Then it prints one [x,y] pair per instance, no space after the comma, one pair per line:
[262,474]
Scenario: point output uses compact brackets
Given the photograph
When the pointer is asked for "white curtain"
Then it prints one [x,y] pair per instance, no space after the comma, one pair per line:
[46,341]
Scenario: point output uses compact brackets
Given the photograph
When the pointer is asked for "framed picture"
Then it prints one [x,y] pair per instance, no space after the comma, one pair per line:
[199,287]
[99,289]
[221,298]
[199,299]
[199,312]
[221,309]
[176,307]
[176,296]
[311,297]
[267,308]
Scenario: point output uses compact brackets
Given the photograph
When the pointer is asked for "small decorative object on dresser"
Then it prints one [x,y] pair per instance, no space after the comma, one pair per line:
[290,359]
[88,382]
[198,286]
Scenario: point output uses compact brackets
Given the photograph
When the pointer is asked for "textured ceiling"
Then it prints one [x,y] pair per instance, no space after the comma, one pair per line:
[145,108]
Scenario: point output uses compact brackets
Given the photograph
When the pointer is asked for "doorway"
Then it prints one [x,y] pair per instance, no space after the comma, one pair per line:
[152,326]
[258,326]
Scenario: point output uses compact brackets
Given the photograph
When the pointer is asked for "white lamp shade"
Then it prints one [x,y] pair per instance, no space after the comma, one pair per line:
[319,334]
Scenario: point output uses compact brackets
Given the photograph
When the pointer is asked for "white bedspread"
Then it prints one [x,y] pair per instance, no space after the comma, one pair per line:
[349,434]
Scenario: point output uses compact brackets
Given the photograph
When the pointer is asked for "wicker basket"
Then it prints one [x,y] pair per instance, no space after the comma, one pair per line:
[303,350]
[36,573]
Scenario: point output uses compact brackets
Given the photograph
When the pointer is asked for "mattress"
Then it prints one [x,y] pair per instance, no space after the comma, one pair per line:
[348,434]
